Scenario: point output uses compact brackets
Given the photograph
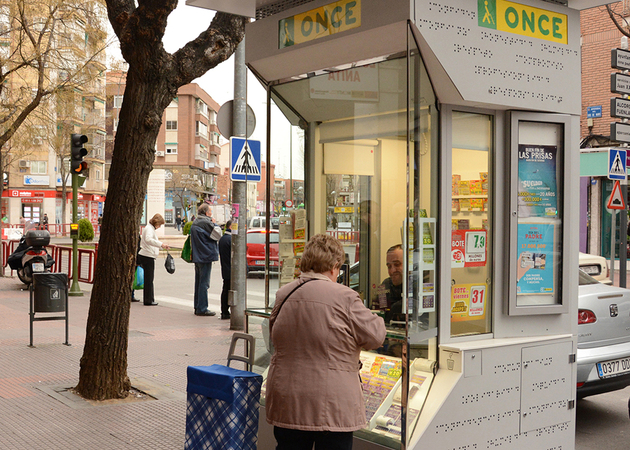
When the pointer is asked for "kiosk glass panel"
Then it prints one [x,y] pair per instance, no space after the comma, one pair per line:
[471,233]
[361,141]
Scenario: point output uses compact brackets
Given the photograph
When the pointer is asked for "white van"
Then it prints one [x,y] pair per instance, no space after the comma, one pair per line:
[261,222]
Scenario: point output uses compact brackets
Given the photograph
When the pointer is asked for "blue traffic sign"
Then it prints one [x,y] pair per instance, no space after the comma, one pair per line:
[245,159]
[616,164]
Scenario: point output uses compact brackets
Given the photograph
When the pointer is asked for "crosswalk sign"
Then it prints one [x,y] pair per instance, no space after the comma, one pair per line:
[616,164]
[245,159]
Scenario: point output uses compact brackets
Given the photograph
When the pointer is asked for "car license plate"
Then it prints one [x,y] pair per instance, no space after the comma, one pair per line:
[38,267]
[591,270]
[260,263]
[613,368]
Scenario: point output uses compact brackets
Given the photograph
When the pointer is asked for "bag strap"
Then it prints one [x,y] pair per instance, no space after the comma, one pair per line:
[287,297]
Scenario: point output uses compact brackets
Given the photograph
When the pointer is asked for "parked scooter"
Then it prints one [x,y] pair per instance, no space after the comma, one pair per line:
[31,256]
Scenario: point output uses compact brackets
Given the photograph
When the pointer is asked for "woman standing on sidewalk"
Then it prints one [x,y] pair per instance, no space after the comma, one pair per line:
[149,250]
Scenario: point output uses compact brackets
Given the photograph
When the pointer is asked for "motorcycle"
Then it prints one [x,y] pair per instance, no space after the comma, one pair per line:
[30,256]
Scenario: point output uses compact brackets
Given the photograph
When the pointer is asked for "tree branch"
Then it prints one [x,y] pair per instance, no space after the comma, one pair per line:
[612,15]
[211,47]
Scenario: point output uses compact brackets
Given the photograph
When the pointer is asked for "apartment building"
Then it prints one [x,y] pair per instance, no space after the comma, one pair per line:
[37,169]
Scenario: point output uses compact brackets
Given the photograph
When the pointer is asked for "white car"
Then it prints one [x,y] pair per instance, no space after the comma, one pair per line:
[595,266]
[603,353]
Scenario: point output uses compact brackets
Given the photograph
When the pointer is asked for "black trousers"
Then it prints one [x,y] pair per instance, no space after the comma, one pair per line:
[225,307]
[303,440]
[148,264]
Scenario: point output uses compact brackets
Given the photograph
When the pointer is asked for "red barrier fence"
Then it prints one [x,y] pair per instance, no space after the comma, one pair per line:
[63,260]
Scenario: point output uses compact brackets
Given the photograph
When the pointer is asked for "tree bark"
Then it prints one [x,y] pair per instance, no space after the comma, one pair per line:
[152,82]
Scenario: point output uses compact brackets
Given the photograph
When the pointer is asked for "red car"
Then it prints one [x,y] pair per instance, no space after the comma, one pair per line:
[256,251]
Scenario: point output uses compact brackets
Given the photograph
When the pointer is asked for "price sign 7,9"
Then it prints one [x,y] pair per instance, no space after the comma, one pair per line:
[476,241]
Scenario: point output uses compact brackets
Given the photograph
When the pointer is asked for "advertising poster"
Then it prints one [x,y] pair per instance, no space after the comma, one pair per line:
[537,181]
[535,258]
[468,302]
[468,248]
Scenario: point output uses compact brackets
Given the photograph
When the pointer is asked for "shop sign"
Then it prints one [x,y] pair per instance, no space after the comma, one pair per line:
[28,193]
[320,22]
[32,200]
[344,209]
[468,302]
[36,180]
[535,244]
[360,83]
[468,248]
[524,20]
[537,181]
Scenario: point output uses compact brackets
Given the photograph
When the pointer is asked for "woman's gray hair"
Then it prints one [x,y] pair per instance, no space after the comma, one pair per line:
[321,254]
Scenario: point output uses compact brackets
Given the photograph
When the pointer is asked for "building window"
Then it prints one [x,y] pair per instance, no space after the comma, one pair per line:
[38,167]
[97,175]
[201,129]
[118,101]
[171,150]
[202,108]
[213,117]
[171,124]
[116,124]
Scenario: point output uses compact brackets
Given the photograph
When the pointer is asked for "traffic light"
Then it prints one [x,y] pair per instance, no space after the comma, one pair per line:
[284,207]
[77,152]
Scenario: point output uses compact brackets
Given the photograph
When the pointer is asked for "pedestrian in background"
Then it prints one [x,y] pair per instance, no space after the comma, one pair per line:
[45,221]
[205,250]
[178,222]
[225,252]
[314,393]
[149,250]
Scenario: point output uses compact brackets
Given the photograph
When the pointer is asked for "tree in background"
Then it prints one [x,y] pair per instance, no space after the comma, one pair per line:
[54,45]
[183,181]
[153,78]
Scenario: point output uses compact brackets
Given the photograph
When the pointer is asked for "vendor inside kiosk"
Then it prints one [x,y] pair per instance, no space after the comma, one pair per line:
[433,139]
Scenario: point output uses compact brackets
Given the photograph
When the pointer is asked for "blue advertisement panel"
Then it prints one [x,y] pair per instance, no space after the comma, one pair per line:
[537,181]
[535,258]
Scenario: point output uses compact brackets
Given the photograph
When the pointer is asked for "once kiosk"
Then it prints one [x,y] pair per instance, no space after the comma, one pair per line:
[389,112]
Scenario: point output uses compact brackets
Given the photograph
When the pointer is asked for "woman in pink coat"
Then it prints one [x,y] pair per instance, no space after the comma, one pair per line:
[318,328]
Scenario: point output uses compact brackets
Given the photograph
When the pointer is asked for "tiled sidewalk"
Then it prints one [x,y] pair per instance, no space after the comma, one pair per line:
[37,411]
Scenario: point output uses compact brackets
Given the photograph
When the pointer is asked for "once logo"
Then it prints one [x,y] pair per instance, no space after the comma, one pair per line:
[524,20]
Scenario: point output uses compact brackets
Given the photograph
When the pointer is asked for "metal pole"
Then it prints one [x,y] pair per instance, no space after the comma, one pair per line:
[239,196]
[75,289]
[613,226]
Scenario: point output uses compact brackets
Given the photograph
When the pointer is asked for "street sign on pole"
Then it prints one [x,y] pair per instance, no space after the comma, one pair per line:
[245,160]
[620,83]
[620,59]
[620,131]
[620,107]
[616,200]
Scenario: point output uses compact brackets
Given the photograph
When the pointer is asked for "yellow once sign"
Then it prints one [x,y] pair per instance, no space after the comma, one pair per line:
[326,20]
[524,20]
[344,209]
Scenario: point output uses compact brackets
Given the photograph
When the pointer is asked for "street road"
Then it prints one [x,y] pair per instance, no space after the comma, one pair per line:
[177,290]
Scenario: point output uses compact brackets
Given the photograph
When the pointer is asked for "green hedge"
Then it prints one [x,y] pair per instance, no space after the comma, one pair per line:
[86,230]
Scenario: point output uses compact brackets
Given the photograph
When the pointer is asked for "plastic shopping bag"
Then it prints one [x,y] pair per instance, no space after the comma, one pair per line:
[169,264]
[138,279]
[187,251]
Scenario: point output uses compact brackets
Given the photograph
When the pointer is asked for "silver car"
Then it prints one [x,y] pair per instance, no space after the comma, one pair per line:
[603,355]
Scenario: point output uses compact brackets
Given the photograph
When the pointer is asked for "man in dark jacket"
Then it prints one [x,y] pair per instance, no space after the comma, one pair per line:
[205,251]
[225,252]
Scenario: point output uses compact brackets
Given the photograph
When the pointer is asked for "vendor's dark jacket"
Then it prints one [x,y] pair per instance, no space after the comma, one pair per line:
[204,248]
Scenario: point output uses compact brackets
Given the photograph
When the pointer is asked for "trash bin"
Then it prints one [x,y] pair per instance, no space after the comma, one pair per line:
[50,292]
[222,408]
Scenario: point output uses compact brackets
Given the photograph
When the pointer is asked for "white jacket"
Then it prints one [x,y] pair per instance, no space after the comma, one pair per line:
[149,244]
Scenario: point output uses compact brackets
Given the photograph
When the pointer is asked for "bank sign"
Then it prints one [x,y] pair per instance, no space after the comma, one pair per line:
[524,20]
[324,21]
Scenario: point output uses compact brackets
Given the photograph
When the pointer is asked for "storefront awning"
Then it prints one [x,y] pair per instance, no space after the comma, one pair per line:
[594,162]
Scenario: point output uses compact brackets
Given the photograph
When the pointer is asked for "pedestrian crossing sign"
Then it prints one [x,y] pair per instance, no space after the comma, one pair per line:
[245,159]
[616,164]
